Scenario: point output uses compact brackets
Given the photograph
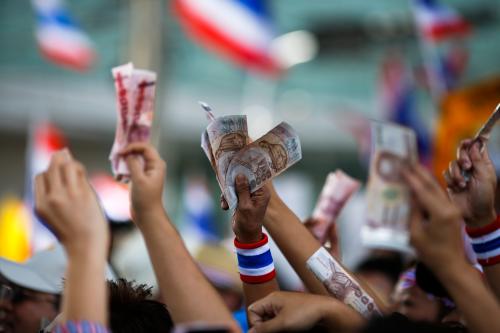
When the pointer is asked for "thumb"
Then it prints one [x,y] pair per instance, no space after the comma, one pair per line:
[479,157]
[242,190]
[135,166]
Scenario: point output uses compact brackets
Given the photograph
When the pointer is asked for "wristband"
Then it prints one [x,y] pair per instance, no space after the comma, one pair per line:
[255,262]
[486,242]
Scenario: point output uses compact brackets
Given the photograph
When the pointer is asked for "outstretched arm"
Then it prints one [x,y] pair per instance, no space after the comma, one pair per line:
[67,203]
[298,245]
[476,199]
[187,294]
[254,256]
[439,245]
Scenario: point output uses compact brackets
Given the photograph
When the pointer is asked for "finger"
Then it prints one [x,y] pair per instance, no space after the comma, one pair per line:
[71,174]
[262,196]
[463,157]
[134,166]
[242,191]
[40,193]
[425,177]
[451,186]
[223,203]
[423,195]
[151,157]
[54,172]
[480,158]
[416,225]
[456,175]
[263,308]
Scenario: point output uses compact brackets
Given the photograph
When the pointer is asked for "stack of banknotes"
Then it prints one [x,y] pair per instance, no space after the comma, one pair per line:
[135,97]
[230,152]
[388,196]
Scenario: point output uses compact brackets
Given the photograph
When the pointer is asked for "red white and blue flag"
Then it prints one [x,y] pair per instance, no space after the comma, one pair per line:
[45,139]
[398,101]
[437,22]
[59,38]
[240,30]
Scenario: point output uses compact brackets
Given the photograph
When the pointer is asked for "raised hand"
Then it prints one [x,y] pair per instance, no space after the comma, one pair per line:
[68,204]
[435,222]
[65,200]
[475,197]
[290,311]
[249,215]
[147,172]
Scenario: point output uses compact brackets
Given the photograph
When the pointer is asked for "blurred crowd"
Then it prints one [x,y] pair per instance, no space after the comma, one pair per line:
[432,238]
[71,288]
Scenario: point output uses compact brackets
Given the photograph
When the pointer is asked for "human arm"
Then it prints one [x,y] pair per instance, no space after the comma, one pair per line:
[187,294]
[247,227]
[65,200]
[438,243]
[475,197]
[291,311]
[284,225]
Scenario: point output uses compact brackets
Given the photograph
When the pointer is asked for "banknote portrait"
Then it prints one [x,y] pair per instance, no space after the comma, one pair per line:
[277,153]
[230,142]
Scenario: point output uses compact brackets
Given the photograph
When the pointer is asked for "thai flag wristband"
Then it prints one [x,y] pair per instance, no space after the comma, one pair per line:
[486,242]
[255,261]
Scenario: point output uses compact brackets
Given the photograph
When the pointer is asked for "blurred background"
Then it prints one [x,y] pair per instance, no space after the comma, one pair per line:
[325,67]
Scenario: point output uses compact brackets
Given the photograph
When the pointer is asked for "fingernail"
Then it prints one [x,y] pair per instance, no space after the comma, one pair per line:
[463,184]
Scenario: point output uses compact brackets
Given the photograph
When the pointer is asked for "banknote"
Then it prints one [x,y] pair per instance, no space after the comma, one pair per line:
[230,152]
[226,137]
[388,196]
[263,159]
[483,135]
[485,131]
[338,188]
[341,284]
[135,94]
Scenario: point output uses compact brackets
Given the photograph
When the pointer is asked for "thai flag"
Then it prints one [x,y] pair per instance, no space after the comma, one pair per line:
[45,139]
[437,22]
[397,93]
[240,30]
[59,38]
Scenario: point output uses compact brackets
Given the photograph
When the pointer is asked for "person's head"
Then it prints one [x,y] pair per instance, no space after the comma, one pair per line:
[417,296]
[381,273]
[131,309]
[30,292]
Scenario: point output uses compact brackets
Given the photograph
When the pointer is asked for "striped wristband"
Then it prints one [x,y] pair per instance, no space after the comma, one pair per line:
[486,242]
[255,261]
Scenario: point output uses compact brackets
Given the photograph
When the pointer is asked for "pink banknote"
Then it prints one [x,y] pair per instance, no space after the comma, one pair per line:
[338,189]
[135,96]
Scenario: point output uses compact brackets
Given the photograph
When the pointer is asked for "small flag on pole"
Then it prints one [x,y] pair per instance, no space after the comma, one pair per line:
[397,94]
[437,22]
[240,30]
[59,38]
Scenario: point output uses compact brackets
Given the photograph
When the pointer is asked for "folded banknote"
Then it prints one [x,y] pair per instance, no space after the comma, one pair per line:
[135,97]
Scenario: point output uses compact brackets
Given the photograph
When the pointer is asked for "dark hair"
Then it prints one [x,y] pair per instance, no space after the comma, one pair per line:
[132,311]
[390,266]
